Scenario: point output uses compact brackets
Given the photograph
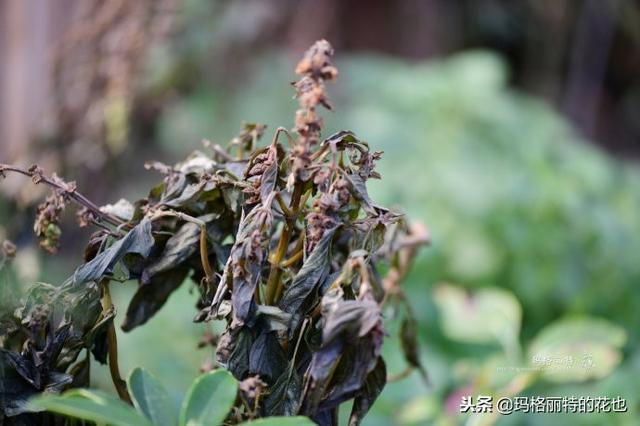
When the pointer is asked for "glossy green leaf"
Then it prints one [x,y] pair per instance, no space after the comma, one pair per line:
[151,398]
[92,405]
[281,421]
[209,399]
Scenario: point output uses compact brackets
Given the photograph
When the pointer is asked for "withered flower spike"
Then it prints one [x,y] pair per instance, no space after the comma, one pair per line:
[68,188]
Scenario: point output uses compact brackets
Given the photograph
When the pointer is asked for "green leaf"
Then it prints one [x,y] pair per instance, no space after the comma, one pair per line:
[151,398]
[92,405]
[281,421]
[577,349]
[209,399]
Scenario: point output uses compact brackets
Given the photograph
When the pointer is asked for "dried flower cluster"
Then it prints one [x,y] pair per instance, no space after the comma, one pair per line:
[285,245]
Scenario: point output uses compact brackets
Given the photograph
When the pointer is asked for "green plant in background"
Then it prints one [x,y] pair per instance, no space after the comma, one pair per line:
[286,249]
[208,402]
[572,350]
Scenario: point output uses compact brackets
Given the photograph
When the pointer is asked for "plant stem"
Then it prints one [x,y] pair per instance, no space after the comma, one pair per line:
[73,194]
[283,205]
[204,256]
[293,259]
[112,344]
[275,274]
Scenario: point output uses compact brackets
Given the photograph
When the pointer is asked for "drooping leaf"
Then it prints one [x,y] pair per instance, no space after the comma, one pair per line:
[267,359]
[244,286]
[80,372]
[328,417]
[273,318]
[310,276]
[244,267]
[197,162]
[30,372]
[15,389]
[238,362]
[178,248]
[209,399]
[284,398]
[174,185]
[318,374]
[269,177]
[91,405]
[96,338]
[372,388]
[340,140]
[139,240]
[409,343]
[190,193]
[151,398]
[150,297]
[354,317]
[357,361]
[359,191]
[351,340]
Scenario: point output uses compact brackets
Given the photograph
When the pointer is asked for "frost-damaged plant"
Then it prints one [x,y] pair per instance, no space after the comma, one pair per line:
[286,247]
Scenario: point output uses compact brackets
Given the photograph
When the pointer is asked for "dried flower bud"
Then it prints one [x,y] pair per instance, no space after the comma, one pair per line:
[251,389]
[36,173]
[85,217]
[317,61]
[46,224]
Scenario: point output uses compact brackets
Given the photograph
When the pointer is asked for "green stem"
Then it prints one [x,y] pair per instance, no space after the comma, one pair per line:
[275,274]
[204,256]
[112,343]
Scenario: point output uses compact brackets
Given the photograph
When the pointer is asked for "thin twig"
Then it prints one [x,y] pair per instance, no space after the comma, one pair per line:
[37,176]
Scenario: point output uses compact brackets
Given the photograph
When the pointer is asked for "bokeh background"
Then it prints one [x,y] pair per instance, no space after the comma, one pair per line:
[510,128]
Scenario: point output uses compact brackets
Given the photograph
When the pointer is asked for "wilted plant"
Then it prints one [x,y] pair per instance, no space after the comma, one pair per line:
[286,247]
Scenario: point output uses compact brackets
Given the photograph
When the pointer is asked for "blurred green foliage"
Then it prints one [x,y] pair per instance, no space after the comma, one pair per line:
[517,205]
